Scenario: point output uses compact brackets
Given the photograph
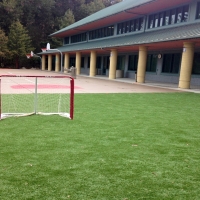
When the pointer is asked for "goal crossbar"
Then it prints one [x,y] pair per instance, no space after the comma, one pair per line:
[23,95]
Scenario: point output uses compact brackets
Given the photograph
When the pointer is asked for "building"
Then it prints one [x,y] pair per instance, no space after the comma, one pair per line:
[158,40]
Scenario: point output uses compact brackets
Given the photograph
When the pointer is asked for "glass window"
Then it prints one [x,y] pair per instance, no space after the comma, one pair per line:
[132,26]
[88,66]
[175,63]
[151,21]
[136,24]
[167,18]
[132,62]
[161,19]
[156,20]
[173,16]
[151,63]
[119,28]
[196,64]
[198,11]
[98,62]
[82,62]
[127,26]
[66,40]
[120,62]
[171,63]
[185,13]
[141,23]
[179,15]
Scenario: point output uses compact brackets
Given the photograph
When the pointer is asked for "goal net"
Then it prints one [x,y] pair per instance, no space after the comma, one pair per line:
[45,95]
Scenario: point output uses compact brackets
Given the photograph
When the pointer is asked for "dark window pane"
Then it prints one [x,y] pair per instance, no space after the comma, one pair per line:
[66,40]
[173,16]
[141,23]
[167,59]
[196,64]
[82,62]
[179,14]
[151,21]
[167,18]
[185,13]
[161,20]
[175,63]
[132,26]
[127,26]
[132,62]
[156,20]
[171,63]
[151,63]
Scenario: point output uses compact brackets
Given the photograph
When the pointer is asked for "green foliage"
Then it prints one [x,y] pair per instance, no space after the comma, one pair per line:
[41,18]
[67,19]
[87,9]
[119,146]
[19,42]
[3,42]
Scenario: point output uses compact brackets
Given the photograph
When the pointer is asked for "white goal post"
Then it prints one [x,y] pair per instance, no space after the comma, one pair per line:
[23,95]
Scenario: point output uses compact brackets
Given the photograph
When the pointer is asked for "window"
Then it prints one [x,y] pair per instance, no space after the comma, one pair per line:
[72,61]
[66,40]
[88,66]
[156,20]
[185,13]
[151,63]
[167,17]
[79,38]
[161,19]
[171,63]
[132,62]
[82,62]
[196,64]
[130,26]
[120,62]
[198,11]
[151,21]
[98,62]
[173,16]
[102,32]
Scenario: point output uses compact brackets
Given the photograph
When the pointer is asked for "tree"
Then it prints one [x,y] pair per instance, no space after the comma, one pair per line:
[3,44]
[89,8]
[19,42]
[67,19]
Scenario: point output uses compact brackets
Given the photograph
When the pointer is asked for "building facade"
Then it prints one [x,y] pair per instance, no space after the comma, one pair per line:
[147,40]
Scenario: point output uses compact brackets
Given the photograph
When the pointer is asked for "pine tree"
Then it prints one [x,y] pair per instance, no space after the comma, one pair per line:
[67,19]
[3,42]
[19,42]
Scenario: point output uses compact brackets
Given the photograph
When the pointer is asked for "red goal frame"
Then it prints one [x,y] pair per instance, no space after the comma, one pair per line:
[71,112]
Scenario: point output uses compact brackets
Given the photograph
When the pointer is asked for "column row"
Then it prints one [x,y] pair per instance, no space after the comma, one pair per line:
[185,72]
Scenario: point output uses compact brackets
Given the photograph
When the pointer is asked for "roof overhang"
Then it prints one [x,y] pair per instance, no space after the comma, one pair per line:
[168,38]
[125,13]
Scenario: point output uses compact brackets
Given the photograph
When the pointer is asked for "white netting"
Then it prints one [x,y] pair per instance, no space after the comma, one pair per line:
[21,96]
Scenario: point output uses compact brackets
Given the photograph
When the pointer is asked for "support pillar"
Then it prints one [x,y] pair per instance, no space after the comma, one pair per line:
[57,63]
[142,61]
[66,62]
[186,65]
[93,58]
[113,64]
[49,62]
[43,62]
[78,63]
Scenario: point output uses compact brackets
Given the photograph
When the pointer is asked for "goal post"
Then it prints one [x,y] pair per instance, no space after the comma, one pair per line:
[23,95]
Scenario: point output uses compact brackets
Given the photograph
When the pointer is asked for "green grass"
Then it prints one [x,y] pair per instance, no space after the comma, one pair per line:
[118,147]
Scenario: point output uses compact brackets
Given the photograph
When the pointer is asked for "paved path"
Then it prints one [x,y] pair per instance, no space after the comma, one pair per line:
[85,84]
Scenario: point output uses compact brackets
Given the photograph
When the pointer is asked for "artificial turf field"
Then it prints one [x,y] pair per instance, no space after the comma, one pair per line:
[118,147]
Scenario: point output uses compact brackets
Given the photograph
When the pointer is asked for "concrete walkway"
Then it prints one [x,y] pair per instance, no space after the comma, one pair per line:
[101,84]
[155,85]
